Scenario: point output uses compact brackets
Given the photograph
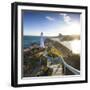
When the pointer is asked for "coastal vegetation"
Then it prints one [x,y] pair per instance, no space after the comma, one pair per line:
[42,61]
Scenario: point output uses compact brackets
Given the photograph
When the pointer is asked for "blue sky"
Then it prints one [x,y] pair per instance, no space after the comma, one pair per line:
[50,23]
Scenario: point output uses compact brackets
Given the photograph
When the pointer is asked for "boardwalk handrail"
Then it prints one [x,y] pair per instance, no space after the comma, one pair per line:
[72,69]
[61,60]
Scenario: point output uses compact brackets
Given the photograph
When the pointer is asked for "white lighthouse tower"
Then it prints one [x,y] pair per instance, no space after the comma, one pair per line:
[42,41]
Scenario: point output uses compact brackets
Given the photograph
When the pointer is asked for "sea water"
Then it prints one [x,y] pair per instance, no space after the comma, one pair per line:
[29,40]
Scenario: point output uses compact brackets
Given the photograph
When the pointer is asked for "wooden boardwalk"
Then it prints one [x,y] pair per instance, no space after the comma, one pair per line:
[57,69]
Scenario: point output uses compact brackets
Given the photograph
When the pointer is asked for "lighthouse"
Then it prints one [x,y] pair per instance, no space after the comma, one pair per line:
[42,41]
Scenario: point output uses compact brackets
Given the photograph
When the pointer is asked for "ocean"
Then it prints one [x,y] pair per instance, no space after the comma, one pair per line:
[28,40]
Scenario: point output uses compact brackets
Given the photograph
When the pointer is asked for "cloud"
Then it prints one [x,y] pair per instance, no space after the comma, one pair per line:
[67,18]
[49,18]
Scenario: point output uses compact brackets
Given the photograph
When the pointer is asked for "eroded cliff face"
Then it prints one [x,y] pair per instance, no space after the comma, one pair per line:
[64,50]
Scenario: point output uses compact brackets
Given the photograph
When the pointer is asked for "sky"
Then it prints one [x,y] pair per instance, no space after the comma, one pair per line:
[50,23]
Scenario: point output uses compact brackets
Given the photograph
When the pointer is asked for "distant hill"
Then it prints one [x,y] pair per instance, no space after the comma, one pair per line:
[70,37]
[67,37]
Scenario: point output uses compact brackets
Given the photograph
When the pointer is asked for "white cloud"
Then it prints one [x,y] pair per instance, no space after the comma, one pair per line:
[49,18]
[67,18]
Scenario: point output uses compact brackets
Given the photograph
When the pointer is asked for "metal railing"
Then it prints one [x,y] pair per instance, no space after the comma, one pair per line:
[62,61]
[72,69]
